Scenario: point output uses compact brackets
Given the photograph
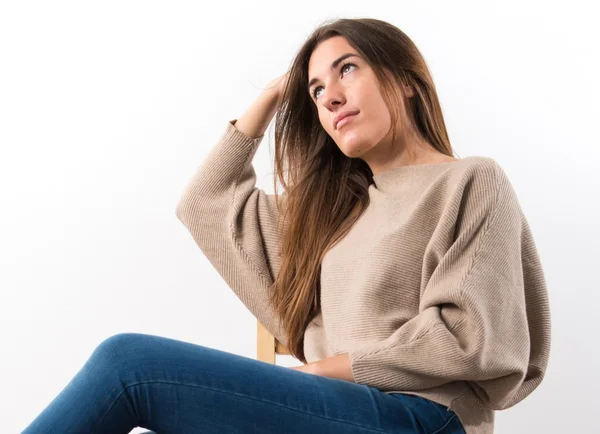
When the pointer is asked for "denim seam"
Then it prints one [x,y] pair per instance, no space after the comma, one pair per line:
[437,431]
[247,397]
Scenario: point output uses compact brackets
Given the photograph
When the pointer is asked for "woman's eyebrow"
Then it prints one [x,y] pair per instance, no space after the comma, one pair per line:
[334,65]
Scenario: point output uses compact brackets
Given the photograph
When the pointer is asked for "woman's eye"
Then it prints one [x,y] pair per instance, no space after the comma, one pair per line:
[342,68]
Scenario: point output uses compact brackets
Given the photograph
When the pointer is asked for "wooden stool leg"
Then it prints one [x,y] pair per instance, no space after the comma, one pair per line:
[265,345]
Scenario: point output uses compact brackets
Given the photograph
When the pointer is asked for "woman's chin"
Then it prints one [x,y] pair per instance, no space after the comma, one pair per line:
[354,149]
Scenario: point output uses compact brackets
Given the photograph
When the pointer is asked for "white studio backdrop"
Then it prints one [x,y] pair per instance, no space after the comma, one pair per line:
[107,109]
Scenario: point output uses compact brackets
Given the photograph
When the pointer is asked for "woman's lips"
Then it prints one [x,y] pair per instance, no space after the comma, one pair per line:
[344,121]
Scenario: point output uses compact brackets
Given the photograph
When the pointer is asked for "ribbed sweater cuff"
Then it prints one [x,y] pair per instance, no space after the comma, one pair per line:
[363,370]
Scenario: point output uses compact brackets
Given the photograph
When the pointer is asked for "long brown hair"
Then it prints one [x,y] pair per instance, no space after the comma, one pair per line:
[325,191]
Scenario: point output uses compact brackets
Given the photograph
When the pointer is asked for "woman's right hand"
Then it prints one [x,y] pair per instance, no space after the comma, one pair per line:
[257,117]
[277,85]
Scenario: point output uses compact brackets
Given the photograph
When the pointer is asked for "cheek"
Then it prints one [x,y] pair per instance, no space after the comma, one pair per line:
[379,115]
[325,125]
[377,104]
[369,101]
[326,122]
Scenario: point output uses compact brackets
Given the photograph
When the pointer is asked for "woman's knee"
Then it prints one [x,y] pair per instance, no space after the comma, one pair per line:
[118,347]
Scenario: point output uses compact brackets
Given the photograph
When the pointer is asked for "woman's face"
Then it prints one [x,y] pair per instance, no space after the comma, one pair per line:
[348,85]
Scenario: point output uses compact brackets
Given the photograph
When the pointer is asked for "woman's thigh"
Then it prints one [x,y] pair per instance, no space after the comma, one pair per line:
[171,386]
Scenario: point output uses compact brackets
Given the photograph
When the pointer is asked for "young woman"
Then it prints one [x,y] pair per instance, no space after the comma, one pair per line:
[406,280]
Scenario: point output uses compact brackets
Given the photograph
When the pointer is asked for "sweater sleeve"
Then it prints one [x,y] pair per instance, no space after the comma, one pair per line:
[483,315]
[234,223]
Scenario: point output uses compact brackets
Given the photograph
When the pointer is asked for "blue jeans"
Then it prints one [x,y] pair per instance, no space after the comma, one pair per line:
[170,386]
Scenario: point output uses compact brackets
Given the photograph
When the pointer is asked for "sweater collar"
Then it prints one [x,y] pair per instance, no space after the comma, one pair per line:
[389,180]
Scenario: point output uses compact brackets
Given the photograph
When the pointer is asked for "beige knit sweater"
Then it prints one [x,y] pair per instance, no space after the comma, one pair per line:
[436,291]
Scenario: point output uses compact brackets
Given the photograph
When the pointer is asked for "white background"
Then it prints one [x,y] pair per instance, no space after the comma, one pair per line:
[107,108]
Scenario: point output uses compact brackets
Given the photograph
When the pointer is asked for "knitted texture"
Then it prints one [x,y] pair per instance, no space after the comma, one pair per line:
[437,290]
